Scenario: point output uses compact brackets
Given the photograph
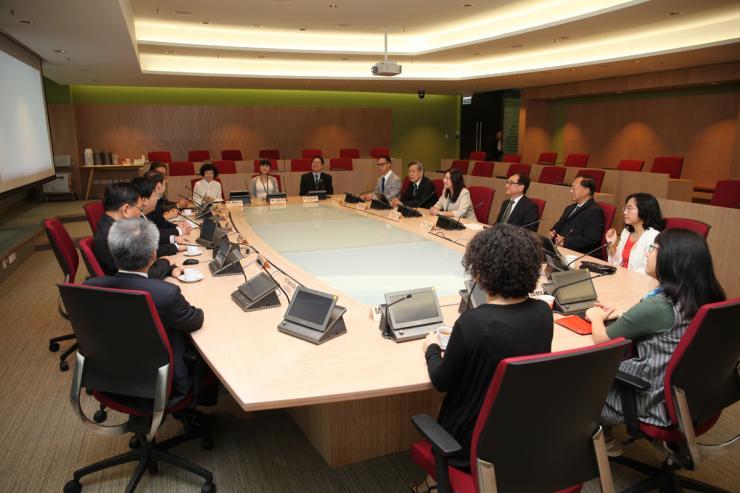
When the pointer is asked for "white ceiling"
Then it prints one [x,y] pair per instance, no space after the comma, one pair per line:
[443,46]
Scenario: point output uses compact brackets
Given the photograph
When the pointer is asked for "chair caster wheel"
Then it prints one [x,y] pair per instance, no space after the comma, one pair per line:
[72,486]
[206,443]
[209,487]
[153,468]
[53,347]
[134,443]
[100,416]
[63,365]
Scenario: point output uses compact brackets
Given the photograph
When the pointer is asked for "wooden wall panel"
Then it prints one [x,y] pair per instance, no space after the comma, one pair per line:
[534,132]
[64,138]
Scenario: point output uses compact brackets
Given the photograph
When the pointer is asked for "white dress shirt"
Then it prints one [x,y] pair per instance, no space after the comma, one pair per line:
[203,188]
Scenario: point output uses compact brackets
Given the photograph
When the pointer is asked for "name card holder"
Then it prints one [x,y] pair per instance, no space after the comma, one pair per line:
[394,216]
[235,203]
[278,201]
[310,198]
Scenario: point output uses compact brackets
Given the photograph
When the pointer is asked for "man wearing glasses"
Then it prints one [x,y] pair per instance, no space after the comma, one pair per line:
[518,209]
[389,184]
[581,227]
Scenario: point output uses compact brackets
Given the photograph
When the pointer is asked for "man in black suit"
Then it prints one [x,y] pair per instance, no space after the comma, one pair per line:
[581,227]
[518,209]
[157,216]
[123,201]
[161,168]
[133,245]
[169,241]
[420,192]
[316,179]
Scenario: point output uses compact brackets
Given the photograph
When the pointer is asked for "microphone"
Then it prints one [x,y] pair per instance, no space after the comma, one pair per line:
[586,254]
[189,200]
[579,281]
[188,219]
[429,196]
[470,293]
[387,331]
[195,193]
[531,224]
[261,261]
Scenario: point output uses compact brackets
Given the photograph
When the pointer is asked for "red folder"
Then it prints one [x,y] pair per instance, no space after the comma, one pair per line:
[576,324]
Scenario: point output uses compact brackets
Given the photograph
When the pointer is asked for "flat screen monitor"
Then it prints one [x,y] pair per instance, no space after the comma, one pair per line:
[310,308]
[582,288]
[476,293]
[258,286]
[553,254]
[422,308]
[208,229]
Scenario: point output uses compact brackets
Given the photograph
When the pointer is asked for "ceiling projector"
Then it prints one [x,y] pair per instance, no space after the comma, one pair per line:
[386,68]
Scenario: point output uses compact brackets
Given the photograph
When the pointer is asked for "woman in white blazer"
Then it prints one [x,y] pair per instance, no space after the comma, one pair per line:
[207,189]
[455,200]
[642,223]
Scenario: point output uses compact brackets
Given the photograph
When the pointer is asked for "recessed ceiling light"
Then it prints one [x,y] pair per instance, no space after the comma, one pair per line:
[205,22]
[345,59]
[181,12]
[25,21]
[636,61]
[467,5]
[675,12]
[563,36]
[302,29]
[516,46]
[170,52]
[476,54]
[261,57]
[333,5]
[60,51]
[572,70]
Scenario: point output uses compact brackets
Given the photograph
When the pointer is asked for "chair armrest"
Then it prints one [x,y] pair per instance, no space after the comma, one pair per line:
[628,386]
[433,432]
[624,379]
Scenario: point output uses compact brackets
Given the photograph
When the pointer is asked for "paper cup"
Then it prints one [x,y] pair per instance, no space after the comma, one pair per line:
[444,333]
[187,212]
[191,274]
[193,250]
[570,258]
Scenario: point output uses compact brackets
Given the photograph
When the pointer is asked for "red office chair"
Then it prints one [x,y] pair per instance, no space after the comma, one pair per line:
[376,152]
[438,186]
[700,381]
[225,167]
[273,164]
[552,174]
[269,154]
[406,183]
[277,179]
[231,155]
[519,169]
[699,227]
[576,160]
[482,199]
[511,158]
[547,158]
[88,256]
[182,168]
[597,175]
[196,180]
[460,164]
[94,212]
[128,364]
[68,260]
[483,168]
[630,165]
[303,164]
[609,211]
[726,194]
[199,155]
[546,439]
[477,155]
[668,164]
[540,206]
[340,164]
[159,156]
[350,153]
[310,153]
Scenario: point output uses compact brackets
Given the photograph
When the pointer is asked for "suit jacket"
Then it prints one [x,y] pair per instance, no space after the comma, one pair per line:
[392,186]
[426,195]
[159,270]
[308,183]
[157,217]
[525,212]
[584,230]
[178,316]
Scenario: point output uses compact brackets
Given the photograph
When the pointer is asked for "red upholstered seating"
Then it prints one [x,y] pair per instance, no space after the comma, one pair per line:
[597,175]
[552,174]
[303,164]
[231,155]
[668,164]
[351,153]
[511,158]
[225,167]
[182,168]
[94,212]
[576,160]
[340,164]
[477,155]
[482,198]
[519,169]
[482,168]
[159,156]
[630,165]
[88,256]
[609,212]
[199,155]
[540,206]
[269,154]
[460,164]
[691,224]
[310,153]
[273,164]
[726,194]
[547,158]
[376,152]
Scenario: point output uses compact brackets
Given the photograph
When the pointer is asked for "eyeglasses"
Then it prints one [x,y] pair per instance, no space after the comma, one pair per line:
[629,208]
[509,182]
[653,247]
[380,164]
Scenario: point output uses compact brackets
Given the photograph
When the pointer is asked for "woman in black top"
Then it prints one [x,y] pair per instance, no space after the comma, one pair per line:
[505,260]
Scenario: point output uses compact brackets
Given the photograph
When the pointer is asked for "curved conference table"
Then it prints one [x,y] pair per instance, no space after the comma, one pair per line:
[352,396]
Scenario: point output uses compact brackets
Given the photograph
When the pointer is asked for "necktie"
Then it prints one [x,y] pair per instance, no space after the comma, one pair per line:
[416,188]
[382,185]
[573,211]
[316,179]
[507,212]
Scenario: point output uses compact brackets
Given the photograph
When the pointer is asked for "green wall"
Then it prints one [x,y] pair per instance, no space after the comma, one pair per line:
[418,127]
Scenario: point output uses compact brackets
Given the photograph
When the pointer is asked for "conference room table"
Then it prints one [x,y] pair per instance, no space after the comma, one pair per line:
[352,396]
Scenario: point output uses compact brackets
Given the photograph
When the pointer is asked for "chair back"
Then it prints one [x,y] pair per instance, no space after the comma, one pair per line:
[668,164]
[547,158]
[460,164]
[94,212]
[726,194]
[340,164]
[477,155]
[630,165]
[609,211]
[182,168]
[122,353]
[438,186]
[482,199]
[196,180]
[540,206]
[303,164]
[552,174]
[277,179]
[310,153]
[597,175]
[519,169]
[511,158]
[269,154]
[63,247]
[576,160]
[376,152]
[231,155]
[524,435]
[685,223]
[405,184]
[88,256]
[483,168]
[704,364]
[273,164]
[225,167]
[351,153]
[159,156]
[199,155]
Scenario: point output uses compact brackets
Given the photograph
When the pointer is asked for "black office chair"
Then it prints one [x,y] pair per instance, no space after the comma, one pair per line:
[127,362]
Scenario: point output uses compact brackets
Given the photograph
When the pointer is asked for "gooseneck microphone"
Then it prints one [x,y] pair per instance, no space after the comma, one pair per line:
[387,332]
[579,281]
[532,223]
[586,254]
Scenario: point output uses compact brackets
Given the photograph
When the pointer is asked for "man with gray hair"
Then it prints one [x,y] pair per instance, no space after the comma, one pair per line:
[421,191]
[133,245]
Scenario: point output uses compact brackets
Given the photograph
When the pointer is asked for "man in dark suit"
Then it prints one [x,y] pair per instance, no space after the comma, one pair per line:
[133,245]
[518,209]
[162,206]
[581,227]
[420,192]
[316,179]
[169,241]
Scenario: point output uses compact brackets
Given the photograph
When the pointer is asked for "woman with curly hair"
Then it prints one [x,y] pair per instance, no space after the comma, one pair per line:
[208,189]
[505,261]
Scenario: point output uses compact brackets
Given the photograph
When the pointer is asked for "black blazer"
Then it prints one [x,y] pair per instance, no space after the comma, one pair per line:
[426,195]
[157,217]
[525,212]
[178,316]
[584,230]
[308,184]
[159,269]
